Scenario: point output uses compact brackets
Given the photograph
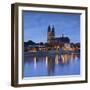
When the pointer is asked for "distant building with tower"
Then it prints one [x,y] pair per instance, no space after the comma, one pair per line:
[53,43]
[57,42]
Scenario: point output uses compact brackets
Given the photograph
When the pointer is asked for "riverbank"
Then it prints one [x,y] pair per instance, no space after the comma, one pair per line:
[50,53]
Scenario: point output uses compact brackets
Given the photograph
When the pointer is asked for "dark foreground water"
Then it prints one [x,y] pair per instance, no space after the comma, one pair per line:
[57,65]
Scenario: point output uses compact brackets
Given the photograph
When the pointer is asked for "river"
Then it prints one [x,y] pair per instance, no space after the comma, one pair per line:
[54,65]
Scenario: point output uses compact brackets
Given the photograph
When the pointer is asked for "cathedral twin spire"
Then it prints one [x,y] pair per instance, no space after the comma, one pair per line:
[51,32]
[51,29]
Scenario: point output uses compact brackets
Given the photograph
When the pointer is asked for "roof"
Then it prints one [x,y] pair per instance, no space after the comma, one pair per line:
[62,39]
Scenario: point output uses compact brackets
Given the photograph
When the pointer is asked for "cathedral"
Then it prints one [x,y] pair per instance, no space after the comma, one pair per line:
[53,42]
[56,41]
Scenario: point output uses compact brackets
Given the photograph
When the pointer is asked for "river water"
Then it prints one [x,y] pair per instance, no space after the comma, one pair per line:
[54,65]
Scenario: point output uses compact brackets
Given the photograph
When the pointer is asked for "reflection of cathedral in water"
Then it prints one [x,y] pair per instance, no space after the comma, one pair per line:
[52,61]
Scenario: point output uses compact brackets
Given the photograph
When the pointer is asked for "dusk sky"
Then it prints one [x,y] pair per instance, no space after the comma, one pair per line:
[36,24]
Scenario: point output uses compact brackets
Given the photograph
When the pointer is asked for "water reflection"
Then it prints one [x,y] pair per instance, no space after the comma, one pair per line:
[56,59]
[35,63]
[65,64]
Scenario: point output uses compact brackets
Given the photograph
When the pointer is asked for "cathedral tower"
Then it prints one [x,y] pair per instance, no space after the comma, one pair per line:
[53,32]
[50,33]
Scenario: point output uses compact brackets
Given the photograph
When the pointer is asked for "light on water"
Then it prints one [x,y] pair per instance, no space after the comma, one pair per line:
[57,65]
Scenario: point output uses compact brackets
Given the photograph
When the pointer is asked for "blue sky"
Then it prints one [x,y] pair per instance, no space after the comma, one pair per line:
[36,24]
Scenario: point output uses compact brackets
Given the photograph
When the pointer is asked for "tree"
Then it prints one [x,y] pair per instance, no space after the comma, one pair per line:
[41,43]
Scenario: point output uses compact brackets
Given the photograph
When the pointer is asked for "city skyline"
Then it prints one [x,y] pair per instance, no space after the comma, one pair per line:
[36,24]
